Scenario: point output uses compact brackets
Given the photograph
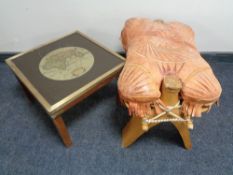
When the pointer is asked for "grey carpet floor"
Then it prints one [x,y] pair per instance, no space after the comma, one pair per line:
[29,143]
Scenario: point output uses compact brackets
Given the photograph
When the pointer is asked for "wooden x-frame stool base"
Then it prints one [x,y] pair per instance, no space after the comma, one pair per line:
[170,96]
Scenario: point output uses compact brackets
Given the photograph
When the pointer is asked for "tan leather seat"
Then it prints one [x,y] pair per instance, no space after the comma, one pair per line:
[155,49]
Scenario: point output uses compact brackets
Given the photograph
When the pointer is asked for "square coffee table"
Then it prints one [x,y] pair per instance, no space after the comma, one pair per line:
[63,72]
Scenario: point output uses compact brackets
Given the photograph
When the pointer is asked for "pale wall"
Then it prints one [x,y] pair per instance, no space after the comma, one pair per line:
[27,23]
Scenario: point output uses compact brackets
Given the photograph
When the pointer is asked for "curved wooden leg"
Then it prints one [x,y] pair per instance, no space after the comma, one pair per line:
[133,130]
[62,130]
[182,127]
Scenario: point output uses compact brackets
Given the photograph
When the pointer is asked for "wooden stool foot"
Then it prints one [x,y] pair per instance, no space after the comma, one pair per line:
[183,129]
[132,131]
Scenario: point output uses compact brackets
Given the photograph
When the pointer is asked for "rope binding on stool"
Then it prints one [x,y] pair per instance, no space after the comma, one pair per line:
[167,110]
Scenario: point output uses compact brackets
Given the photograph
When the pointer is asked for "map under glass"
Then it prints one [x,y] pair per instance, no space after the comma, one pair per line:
[66,63]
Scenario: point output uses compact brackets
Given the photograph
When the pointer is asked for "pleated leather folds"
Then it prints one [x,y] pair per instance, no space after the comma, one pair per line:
[155,49]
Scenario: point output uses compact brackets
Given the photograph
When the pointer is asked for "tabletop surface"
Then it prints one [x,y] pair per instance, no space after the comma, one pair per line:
[60,68]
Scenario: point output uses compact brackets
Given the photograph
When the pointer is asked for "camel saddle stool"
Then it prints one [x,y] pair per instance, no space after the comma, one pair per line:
[165,79]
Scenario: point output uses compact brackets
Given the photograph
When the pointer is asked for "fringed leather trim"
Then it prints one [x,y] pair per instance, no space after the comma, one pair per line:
[188,108]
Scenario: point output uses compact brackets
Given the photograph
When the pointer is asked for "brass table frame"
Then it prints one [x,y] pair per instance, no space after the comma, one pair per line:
[55,111]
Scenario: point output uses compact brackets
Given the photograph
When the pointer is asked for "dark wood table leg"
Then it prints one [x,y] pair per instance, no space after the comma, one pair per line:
[62,130]
[26,91]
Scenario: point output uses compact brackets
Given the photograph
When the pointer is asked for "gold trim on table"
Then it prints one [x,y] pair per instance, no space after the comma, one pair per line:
[57,108]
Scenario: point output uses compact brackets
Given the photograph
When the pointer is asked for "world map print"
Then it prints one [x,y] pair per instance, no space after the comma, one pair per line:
[66,63]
